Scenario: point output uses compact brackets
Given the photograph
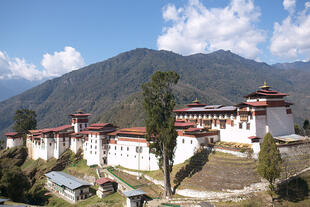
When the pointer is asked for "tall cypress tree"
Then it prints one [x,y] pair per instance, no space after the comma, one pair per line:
[159,102]
[269,161]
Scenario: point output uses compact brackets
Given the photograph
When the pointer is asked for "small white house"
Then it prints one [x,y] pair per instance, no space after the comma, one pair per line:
[135,198]
[14,139]
[106,186]
[67,186]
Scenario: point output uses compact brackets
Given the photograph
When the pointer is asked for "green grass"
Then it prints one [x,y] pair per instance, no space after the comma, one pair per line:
[113,200]
[80,168]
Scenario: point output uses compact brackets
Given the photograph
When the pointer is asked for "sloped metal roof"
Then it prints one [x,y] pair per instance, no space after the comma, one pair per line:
[64,179]
[131,193]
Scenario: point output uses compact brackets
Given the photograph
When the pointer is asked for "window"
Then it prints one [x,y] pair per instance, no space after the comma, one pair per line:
[248,126]
[95,141]
[244,116]
[91,146]
[240,125]
[215,122]
[50,144]
[207,124]
[211,140]
[95,152]
[191,141]
[115,147]
[121,148]
[80,126]
[127,148]
[232,123]
[183,141]
[91,141]
[96,147]
[104,152]
[223,124]
[90,152]
[64,144]
[85,125]
[138,149]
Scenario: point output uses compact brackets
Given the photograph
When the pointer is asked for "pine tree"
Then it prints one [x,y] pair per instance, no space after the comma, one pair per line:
[25,120]
[269,162]
[159,102]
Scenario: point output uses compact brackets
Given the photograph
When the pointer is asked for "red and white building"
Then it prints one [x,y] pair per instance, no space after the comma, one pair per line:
[263,111]
[197,125]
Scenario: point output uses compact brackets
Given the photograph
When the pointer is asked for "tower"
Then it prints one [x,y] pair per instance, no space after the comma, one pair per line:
[79,121]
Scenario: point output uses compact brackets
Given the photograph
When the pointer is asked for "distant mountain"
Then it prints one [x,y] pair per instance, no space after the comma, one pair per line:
[111,90]
[299,65]
[12,87]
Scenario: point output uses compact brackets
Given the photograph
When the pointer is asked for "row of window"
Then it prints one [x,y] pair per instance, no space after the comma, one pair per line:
[135,156]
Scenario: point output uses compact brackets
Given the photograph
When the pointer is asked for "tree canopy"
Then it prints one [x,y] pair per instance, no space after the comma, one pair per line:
[15,183]
[159,102]
[269,161]
[25,120]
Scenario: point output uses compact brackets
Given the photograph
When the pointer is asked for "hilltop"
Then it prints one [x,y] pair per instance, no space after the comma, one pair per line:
[111,90]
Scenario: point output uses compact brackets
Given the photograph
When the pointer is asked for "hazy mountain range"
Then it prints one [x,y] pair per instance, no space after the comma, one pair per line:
[111,90]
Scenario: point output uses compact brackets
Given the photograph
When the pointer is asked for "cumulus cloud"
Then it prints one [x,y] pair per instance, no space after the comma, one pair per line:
[53,65]
[289,5]
[197,29]
[62,62]
[290,38]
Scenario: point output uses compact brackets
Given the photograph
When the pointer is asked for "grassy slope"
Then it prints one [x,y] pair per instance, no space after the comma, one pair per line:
[220,171]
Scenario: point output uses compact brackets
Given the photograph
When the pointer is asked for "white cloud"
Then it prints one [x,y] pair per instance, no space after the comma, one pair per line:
[196,28]
[289,5]
[290,38]
[62,62]
[53,65]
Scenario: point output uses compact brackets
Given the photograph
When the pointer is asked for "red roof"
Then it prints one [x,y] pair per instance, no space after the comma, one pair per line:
[196,105]
[193,129]
[56,129]
[266,93]
[180,110]
[11,134]
[93,127]
[80,115]
[134,129]
[254,137]
[182,124]
[257,103]
[100,124]
[104,180]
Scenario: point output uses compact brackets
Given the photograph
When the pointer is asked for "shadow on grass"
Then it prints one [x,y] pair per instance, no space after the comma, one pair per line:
[196,163]
[296,190]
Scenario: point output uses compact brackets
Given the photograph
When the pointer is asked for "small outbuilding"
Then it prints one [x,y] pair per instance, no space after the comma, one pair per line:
[67,186]
[135,198]
[106,186]
[14,139]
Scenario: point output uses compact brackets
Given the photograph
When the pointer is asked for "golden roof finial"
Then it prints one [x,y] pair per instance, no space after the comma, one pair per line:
[80,111]
[265,86]
[196,100]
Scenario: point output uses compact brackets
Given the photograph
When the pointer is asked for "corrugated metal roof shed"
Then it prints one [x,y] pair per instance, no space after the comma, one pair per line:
[131,193]
[64,179]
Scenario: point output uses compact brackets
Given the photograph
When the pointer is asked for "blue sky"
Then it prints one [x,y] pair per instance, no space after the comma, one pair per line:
[44,39]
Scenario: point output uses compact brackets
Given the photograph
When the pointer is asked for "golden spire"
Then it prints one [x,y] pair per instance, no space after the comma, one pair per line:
[265,86]
[80,111]
[196,100]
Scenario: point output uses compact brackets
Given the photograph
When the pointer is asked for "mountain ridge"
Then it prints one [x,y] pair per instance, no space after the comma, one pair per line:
[112,88]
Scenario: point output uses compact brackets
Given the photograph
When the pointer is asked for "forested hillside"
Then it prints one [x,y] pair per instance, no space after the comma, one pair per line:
[110,90]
